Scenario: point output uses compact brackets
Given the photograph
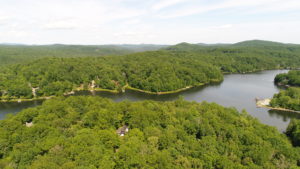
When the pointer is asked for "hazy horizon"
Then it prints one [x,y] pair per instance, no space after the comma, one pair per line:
[98,22]
[116,44]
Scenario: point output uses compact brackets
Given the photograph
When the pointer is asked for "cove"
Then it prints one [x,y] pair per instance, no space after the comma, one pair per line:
[237,90]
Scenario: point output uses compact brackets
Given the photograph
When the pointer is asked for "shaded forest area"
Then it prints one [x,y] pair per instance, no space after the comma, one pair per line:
[293,131]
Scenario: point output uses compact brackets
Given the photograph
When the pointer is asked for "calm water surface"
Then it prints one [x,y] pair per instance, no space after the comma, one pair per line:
[237,90]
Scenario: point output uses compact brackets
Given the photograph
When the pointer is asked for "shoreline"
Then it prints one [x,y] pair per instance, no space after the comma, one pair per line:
[135,89]
[94,90]
[124,88]
[13,100]
[160,93]
[264,103]
[254,71]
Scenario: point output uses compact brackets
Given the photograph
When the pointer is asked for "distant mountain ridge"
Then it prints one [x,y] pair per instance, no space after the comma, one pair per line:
[250,44]
[244,43]
[18,53]
[260,42]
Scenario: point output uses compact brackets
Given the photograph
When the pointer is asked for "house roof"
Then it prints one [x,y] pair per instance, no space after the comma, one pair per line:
[122,129]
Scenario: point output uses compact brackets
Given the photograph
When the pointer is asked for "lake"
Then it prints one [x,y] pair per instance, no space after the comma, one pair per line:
[237,90]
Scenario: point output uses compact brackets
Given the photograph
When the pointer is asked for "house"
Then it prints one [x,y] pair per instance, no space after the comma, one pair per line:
[122,130]
[28,124]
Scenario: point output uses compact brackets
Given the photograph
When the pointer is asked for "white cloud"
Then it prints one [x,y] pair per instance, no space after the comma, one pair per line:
[4,19]
[279,6]
[60,25]
[193,9]
[14,34]
[226,26]
[132,21]
[153,21]
[166,3]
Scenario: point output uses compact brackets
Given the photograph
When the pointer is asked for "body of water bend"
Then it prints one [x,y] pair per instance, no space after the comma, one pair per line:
[237,90]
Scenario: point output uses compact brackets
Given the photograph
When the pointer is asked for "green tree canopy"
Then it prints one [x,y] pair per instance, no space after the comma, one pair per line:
[80,132]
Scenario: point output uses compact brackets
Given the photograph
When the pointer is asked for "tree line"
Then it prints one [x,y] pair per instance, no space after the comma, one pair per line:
[289,98]
[292,78]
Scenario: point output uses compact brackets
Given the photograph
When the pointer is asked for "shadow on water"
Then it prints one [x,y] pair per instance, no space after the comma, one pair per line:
[133,95]
[15,107]
[284,115]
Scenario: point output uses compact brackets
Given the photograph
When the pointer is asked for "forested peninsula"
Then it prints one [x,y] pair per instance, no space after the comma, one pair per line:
[84,132]
[152,71]
[292,78]
[167,70]
[289,98]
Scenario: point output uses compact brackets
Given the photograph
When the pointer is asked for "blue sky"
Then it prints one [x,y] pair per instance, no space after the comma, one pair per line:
[149,21]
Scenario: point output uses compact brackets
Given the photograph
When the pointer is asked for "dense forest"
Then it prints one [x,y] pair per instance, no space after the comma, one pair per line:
[288,99]
[245,56]
[145,71]
[169,69]
[292,78]
[293,131]
[81,132]
[10,54]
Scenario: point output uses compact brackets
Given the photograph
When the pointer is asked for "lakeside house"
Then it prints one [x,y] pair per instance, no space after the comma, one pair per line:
[122,130]
[28,124]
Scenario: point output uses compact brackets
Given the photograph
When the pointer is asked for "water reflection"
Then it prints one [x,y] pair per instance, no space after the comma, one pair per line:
[284,115]
[14,107]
